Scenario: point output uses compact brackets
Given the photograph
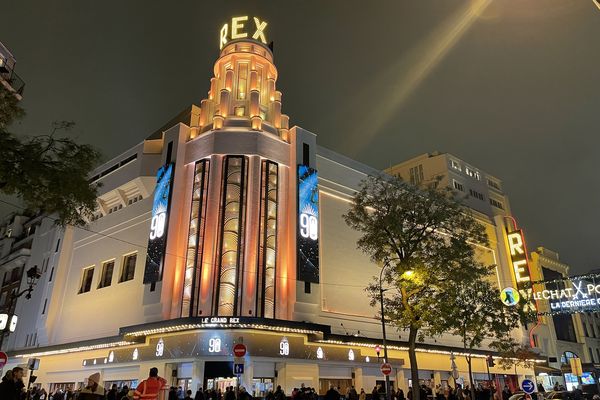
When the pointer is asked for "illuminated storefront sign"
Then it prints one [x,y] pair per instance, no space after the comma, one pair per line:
[520,267]
[571,295]
[240,28]
[308,225]
[160,348]
[8,322]
[284,347]
[157,240]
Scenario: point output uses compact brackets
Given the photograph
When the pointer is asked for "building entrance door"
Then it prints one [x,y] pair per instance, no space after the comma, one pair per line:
[342,385]
[219,375]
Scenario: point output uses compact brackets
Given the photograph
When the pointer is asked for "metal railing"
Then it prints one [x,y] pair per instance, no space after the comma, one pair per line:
[7,74]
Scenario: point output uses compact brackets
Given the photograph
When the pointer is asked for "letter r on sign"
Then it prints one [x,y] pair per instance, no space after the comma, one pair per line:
[223,37]
[515,243]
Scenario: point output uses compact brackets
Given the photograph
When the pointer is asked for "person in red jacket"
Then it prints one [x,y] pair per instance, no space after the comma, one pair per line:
[151,388]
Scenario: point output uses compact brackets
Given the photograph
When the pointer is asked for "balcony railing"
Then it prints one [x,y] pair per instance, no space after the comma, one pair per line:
[9,76]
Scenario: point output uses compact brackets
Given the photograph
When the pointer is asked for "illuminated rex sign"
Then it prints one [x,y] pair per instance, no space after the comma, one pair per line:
[157,240]
[242,28]
[520,267]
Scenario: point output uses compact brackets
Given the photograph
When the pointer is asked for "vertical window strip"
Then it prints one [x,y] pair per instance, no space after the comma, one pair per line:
[232,233]
[195,235]
[242,81]
[269,252]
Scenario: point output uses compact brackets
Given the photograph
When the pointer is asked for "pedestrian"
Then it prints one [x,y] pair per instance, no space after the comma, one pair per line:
[93,390]
[12,384]
[352,394]
[172,393]
[199,394]
[362,395]
[332,394]
[188,395]
[123,393]
[244,395]
[149,389]
[113,393]
[400,394]
[279,394]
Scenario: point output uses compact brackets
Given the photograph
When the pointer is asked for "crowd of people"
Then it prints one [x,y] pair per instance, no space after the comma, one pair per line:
[156,388]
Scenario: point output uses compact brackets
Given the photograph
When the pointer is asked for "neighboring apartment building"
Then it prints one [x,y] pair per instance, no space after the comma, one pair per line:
[24,245]
[239,237]
[8,78]
[562,336]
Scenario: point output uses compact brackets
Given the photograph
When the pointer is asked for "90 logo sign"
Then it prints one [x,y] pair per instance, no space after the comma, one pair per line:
[309,226]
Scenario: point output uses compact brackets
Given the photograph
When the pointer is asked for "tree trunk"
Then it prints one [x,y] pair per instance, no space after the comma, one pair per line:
[414,369]
[471,377]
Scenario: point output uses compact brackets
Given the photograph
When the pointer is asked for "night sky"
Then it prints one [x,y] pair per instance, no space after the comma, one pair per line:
[510,86]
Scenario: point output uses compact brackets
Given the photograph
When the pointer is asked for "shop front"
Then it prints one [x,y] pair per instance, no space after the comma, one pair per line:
[198,353]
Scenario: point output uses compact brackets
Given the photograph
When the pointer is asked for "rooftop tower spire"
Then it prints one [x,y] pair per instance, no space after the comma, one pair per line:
[242,91]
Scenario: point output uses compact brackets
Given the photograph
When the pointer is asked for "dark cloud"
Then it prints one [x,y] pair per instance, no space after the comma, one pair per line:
[516,95]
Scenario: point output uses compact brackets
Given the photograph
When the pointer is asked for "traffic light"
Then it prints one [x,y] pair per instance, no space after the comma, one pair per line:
[490,361]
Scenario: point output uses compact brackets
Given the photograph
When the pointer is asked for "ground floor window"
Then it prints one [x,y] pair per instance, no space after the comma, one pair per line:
[62,386]
[261,386]
[342,385]
[221,383]
[131,384]
[185,384]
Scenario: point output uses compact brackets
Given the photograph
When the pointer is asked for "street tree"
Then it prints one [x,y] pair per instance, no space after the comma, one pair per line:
[473,311]
[49,173]
[425,238]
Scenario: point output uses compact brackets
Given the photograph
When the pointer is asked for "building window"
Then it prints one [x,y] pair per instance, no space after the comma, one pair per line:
[267,247]
[107,273]
[416,175]
[128,269]
[51,275]
[496,204]
[591,355]
[472,173]
[57,246]
[86,280]
[44,308]
[598,353]
[476,194]
[232,234]
[536,342]
[307,287]
[242,80]
[585,330]
[458,186]
[195,249]
[456,165]
[493,184]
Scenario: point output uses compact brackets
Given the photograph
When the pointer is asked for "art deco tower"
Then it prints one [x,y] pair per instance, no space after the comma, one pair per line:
[240,151]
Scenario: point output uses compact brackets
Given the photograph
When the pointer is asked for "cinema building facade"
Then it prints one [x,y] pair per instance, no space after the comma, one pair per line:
[239,237]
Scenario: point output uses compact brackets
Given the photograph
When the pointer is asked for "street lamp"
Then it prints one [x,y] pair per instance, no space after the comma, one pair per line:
[33,274]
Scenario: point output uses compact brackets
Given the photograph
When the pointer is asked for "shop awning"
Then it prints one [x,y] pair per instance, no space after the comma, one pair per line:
[539,369]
